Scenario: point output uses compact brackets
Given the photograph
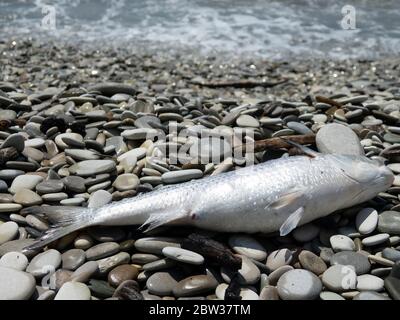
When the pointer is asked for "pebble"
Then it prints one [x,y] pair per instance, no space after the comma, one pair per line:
[306,232]
[74,184]
[18,246]
[299,284]
[129,290]
[92,167]
[83,242]
[156,244]
[50,186]
[328,295]
[181,176]
[247,246]
[312,262]
[14,260]
[391,254]
[61,144]
[73,291]
[195,285]
[44,262]
[162,283]
[25,182]
[342,243]
[27,198]
[8,231]
[368,282]
[375,239]
[15,140]
[127,181]
[55,197]
[279,258]
[367,220]
[183,255]
[85,271]
[99,198]
[246,120]
[339,278]
[327,140]
[73,259]
[269,293]
[143,258]
[106,264]
[102,250]
[358,261]
[370,295]
[389,222]
[15,284]
[121,273]
[274,276]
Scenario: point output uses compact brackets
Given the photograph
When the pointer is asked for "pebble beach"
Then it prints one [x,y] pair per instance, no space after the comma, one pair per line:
[79,128]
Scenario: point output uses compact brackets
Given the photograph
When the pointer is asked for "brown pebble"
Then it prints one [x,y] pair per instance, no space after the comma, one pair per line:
[312,262]
[121,273]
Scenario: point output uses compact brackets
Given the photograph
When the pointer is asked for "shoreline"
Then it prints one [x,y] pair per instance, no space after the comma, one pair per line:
[68,138]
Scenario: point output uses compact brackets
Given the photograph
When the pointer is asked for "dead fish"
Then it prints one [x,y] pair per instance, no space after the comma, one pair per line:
[276,195]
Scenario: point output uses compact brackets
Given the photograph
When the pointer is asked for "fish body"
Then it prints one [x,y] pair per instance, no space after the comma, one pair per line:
[276,195]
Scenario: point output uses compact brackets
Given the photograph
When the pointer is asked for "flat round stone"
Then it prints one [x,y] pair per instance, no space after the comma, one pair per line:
[328,295]
[73,291]
[368,282]
[73,259]
[92,167]
[53,197]
[389,221]
[122,273]
[26,181]
[8,231]
[181,176]
[35,143]
[27,198]
[9,207]
[14,260]
[139,134]
[306,232]
[370,295]
[85,271]
[15,284]
[246,120]
[162,283]
[375,239]
[70,135]
[44,263]
[342,243]
[143,258]
[10,174]
[99,198]
[339,278]
[127,181]
[358,261]
[274,276]
[327,140]
[195,285]
[299,127]
[183,255]
[299,284]
[391,254]
[248,247]
[50,186]
[75,184]
[15,140]
[279,258]
[367,220]
[156,244]
[102,250]
[82,154]
[312,262]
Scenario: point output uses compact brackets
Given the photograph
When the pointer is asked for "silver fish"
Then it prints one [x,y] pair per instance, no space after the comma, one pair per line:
[276,195]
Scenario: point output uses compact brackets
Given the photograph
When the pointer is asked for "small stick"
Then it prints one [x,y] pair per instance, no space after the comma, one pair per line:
[278,142]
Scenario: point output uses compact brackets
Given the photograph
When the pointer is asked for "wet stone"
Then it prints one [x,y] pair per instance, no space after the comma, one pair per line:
[122,273]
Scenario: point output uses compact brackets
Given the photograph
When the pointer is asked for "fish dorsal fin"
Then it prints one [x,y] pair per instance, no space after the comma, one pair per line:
[288,201]
[306,150]
[291,222]
[156,220]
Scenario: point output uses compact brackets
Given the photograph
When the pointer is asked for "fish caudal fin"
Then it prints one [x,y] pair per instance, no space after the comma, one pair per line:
[65,220]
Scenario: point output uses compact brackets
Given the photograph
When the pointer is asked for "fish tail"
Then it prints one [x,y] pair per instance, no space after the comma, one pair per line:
[64,220]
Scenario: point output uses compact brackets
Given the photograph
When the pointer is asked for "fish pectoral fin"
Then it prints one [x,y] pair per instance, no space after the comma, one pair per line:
[291,222]
[158,219]
[288,201]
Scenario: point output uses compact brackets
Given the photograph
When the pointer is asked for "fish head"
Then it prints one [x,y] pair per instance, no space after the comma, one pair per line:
[369,177]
